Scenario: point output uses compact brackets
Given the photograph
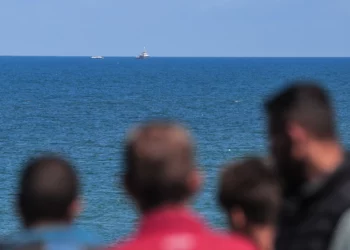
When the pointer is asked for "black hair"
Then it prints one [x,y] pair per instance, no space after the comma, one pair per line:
[253,187]
[306,103]
[48,186]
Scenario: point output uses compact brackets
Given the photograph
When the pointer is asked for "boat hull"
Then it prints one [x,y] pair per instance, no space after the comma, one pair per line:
[142,57]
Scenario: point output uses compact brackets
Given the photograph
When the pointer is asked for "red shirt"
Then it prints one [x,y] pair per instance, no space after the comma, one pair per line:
[180,229]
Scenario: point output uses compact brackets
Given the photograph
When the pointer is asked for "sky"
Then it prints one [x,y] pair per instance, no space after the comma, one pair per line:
[237,28]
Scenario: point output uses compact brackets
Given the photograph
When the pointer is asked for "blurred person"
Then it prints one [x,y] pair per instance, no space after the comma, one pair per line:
[313,166]
[250,195]
[48,202]
[161,176]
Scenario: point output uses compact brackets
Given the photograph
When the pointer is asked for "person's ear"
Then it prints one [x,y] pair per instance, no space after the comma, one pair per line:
[238,219]
[296,131]
[75,208]
[195,181]
[299,138]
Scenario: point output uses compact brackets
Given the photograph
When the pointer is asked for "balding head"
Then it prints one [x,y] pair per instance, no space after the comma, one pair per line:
[160,165]
[48,188]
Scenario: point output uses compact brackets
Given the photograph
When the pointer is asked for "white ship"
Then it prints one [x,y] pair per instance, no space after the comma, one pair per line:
[97,57]
[143,55]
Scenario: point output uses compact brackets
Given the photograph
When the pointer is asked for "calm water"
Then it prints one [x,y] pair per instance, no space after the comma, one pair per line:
[83,107]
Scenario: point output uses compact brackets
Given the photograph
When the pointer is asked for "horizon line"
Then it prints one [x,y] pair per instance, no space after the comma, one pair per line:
[113,56]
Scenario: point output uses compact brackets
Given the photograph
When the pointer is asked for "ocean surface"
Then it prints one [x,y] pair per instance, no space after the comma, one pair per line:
[83,107]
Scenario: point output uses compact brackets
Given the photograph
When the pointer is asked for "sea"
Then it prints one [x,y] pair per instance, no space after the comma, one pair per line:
[83,108]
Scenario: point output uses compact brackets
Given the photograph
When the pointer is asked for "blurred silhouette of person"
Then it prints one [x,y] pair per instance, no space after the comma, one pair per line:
[313,166]
[161,176]
[250,194]
[48,202]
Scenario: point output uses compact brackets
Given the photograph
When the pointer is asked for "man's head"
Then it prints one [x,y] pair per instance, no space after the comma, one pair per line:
[48,192]
[160,165]
[249,193]
[251,187]
[299,118]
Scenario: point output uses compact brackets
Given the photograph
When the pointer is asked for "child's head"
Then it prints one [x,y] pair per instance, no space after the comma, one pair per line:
[249,193]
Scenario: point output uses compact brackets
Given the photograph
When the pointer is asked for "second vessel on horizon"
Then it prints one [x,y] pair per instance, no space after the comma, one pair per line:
[143,55]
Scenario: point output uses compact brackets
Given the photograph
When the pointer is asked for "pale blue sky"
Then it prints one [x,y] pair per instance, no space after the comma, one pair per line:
[175,27]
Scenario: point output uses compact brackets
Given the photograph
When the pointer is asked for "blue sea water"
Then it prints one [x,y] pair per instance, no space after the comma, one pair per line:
[83,107]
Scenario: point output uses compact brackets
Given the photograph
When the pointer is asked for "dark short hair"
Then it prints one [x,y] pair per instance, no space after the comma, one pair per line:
[306,103]
[158,158]
[252,186]
[48,186]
